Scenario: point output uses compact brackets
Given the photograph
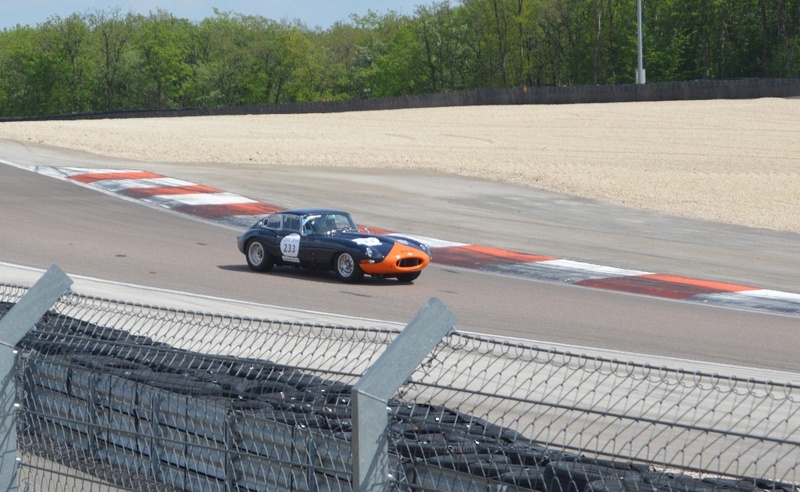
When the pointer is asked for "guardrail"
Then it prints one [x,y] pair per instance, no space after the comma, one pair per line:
[127,396]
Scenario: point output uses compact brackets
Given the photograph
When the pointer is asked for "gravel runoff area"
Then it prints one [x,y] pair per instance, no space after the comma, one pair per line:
[730,161]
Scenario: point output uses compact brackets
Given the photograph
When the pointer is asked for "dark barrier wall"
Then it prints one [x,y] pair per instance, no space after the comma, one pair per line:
[661,91]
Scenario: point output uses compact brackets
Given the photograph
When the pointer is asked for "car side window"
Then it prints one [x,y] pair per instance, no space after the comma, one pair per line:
[344,222]
[291,223]
[330,223]
[309,227]
[273,222]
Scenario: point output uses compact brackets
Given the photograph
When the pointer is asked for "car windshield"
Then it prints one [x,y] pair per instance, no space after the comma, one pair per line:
[328,223]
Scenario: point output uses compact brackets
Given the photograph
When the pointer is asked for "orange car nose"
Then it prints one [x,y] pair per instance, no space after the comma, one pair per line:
[407,257]
[401,258]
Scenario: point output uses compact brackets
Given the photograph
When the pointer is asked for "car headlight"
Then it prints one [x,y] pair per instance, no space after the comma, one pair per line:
[369,252]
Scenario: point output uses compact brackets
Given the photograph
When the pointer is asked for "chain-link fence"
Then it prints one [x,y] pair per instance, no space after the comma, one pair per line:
[688,90]
[120,396]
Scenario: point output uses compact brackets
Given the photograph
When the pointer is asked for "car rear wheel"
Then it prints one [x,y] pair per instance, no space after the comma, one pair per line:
[408,277]
[258,259]
[347,268]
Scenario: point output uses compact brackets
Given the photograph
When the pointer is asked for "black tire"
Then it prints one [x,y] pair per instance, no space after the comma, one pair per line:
[481,465]
[107,363]
[258,258]
[574,476]
[408,277]
[523,477]
[530,455]
[232,386]
[413,441]
[347,268]
[183,384]
[296,419]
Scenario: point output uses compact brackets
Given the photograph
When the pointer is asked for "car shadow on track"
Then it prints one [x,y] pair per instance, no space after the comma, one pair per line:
[319,276]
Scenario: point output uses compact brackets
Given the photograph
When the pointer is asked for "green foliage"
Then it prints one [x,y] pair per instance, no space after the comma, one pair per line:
[111,35]
[19,65]
[107,61]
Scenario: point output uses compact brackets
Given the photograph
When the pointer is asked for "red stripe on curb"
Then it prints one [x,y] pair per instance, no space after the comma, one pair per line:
[167,190]
[94,177]
[650,286]
[709,284]
[219,211]
[472,256]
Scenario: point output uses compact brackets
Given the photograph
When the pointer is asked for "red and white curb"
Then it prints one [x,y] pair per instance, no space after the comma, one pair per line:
[173,194]
[220,206]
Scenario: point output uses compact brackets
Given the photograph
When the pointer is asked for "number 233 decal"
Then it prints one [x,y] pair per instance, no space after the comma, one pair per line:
[290,245]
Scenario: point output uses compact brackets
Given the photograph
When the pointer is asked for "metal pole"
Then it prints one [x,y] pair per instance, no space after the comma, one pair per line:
[371,394]
[640,76]
[16,323]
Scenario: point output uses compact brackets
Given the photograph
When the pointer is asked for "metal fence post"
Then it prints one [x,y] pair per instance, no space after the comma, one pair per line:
[371,394]
[16,323]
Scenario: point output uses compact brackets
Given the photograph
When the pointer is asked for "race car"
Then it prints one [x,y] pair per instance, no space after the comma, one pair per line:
[327,239]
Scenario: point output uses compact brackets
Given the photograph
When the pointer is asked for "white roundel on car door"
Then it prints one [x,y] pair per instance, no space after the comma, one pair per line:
[290,246]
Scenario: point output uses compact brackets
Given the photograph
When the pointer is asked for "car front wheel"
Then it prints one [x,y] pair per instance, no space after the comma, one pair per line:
[347,268]
[258,259]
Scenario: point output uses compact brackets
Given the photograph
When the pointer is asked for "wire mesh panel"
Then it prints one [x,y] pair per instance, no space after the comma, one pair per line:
[124,396]
[547,409]
[188,400]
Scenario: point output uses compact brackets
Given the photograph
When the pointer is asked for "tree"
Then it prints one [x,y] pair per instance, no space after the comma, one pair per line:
[443,35]
[65,43]
[222,63]
[113,32]
[349,51]
[106,61]
[162,43]
[787,13]
[24,73]
[398,67]
[302,77]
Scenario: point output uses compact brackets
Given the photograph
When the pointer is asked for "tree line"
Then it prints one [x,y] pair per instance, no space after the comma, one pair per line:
[110,61]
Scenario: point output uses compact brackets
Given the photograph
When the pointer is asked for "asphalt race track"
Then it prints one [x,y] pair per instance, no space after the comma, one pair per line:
[46,220]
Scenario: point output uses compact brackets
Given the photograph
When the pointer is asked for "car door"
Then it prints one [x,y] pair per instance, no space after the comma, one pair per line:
[289,239]
[315,248]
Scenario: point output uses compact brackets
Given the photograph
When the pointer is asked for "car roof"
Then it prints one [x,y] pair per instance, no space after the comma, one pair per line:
[306,211]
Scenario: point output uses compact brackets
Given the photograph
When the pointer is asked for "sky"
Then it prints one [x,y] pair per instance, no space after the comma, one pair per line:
[314,13]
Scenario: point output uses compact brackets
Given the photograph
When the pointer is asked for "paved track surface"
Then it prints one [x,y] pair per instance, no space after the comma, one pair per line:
[231,209]
[47,221]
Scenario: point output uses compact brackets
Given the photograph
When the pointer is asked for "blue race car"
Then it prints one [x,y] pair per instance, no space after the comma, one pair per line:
[326,239]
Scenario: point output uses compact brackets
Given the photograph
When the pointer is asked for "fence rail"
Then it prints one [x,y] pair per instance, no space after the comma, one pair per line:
[114,395]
